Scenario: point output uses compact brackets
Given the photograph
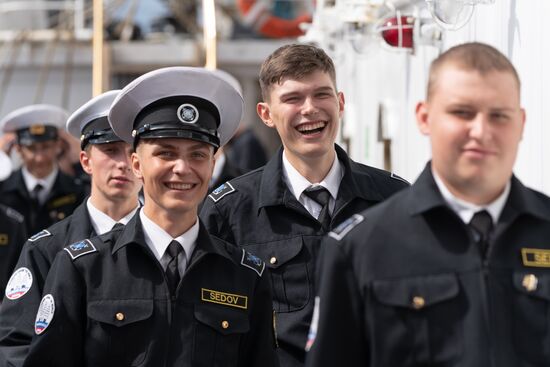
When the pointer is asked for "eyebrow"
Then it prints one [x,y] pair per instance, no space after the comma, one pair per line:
[317,90]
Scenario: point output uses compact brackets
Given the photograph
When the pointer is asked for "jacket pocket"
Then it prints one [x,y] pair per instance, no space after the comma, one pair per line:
[417,320]
[217,335]
[531,309]
[117,331]
[289,272]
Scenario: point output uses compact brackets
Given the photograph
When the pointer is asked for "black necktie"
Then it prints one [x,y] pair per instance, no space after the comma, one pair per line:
[172,271]
[482,224]
[117,225]
[321,196]
[35,192]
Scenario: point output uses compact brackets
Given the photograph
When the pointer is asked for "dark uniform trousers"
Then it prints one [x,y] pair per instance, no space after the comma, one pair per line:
[17,316]
[12,237]
[113,307]
[408,286]
[258,211]
[65,196]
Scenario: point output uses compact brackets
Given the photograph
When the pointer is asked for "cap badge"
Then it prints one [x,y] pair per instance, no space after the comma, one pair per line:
[188,113]
[37,129]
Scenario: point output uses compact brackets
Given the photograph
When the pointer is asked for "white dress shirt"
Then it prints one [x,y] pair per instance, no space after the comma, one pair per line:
[46,182]
[297,184]
[158,240]
[101,222]
[466,210]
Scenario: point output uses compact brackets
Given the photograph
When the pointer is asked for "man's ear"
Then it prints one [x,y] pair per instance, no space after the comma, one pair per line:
[264,112]
[136,166]
[422,114]
[85,162]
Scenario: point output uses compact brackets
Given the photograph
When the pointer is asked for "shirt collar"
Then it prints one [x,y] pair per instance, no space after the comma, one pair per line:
[46,182]
[466,210]
[101,222]
[298,183]
[157,239]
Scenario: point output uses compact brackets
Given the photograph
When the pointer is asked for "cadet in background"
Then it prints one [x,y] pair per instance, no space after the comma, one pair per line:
[161,291]
[39,190]
[454,271]
[282,211]
[113,201]
[12,238]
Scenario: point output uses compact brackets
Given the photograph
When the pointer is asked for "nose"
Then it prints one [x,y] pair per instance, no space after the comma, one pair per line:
[479,128]
[309,107]
[181,166]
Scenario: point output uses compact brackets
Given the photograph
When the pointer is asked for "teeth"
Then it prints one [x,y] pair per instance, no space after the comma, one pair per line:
[179,186]
[312,126]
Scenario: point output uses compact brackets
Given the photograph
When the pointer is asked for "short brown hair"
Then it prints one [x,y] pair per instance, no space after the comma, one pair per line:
[472,56]
[294,61]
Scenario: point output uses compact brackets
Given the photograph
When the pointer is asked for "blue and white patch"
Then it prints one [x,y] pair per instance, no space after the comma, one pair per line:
[45,313]
[253,262]
[313,326]
[19,284]
[221,191]
[80,248]
[43,233]
[395,177]
[343,228]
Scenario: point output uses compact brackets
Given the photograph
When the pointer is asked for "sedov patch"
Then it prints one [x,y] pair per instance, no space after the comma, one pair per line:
[253,262]
[43,233]
[221,191]
[45,313]
[19,284]
[80,248]
[343,228]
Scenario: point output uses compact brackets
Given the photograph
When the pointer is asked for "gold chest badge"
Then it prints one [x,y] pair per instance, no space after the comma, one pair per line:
[222,298]
[535,257]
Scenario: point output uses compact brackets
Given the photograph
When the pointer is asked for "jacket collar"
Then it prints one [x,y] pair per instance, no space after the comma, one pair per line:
[132,234]
[355,183]
[424,195]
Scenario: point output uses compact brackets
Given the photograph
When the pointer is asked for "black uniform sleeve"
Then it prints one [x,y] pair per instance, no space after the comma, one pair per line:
[338,323]
[17,316]
[61,343]
[215,222]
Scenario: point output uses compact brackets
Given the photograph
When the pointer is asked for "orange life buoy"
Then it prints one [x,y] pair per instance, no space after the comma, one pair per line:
[257,15]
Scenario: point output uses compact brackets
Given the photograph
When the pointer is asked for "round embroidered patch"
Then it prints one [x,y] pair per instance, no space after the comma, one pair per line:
[19,284]
[45,314]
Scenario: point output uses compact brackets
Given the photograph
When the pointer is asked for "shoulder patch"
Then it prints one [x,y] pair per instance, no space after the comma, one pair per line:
[80,248]
[43,233]
[14,214]
[221,191]
[395,177]
[253,262]
[343,228]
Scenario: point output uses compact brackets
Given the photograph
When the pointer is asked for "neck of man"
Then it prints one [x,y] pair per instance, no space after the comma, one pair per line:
[115,208]
[474,193]
[314,169]
[175,223]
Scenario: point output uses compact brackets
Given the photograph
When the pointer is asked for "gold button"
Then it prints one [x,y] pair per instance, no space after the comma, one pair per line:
[530,282]
[418,302]
[273,260]
[60,215]
[225,324]
[119,316]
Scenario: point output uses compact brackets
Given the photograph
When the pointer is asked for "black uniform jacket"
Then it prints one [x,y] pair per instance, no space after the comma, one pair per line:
[62,200]
[113,307]
[408,286]
[17,316]
[258,211]
[12,238]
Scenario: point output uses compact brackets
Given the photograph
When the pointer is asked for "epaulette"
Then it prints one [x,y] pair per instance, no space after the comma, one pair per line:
[80,248]
[223,190]
[14,214]
[343,228]
[43,233]
[253,262]
[398,178]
